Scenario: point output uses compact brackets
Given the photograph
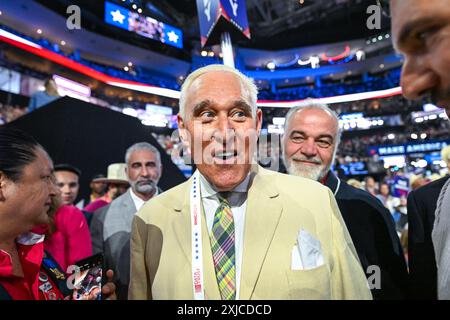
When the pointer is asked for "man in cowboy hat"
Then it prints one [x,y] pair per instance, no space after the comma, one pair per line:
[117,183]
[111,225]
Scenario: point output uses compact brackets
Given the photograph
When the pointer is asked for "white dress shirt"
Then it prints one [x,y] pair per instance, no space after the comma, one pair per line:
[138,202]
[238,204]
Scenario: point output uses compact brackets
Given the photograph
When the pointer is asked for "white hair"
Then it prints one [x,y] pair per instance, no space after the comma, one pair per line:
[313,173]
[248,86]
[309,105]
[142,146]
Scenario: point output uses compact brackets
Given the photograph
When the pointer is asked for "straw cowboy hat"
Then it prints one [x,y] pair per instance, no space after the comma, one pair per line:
[116,174]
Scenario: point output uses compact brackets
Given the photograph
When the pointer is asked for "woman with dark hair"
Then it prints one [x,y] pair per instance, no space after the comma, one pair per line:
[27,187]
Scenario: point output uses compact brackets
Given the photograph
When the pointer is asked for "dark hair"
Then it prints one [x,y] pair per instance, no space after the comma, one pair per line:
[17,150]
[67,167]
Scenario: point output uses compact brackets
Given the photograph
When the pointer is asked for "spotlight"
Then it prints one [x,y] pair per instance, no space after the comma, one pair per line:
[140,10]
[130,64]
[211,54]
[315,60]
[204,53]
[126,68]
[39,31]
[360,55]
[271,65]
[63,43]
[134,6]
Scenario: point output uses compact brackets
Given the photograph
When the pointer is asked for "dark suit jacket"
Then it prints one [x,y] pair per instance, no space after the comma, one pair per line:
[372,230]
[110,233]
[422,262]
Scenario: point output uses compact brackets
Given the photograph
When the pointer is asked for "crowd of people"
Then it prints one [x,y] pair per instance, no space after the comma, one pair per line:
[235,230]
[9,113]
[386,80]
[134,73]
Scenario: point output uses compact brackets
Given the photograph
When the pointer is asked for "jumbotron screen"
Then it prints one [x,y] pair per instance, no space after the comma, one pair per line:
[145,26]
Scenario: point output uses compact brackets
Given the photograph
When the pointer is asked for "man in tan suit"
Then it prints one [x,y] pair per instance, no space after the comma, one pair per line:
[235,230]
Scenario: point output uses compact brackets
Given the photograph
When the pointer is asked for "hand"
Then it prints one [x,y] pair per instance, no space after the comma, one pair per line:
[109,289]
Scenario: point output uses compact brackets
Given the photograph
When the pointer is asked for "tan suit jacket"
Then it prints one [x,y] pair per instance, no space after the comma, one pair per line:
[278,207]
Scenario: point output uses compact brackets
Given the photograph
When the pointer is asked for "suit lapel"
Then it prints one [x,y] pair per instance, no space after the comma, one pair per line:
[261,220]
[182,229]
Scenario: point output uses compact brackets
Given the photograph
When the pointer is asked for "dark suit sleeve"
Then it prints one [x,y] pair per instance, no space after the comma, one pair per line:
[422,270]
[96,229]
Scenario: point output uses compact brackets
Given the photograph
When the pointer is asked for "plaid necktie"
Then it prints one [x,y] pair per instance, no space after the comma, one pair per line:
[222,244]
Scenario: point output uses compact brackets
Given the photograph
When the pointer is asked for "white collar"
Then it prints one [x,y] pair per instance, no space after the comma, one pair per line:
[207,190]
[30,238]
[138,202]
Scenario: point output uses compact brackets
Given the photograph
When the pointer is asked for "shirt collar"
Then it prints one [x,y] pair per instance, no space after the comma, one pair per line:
[207,190]
[138,202]
[30,247]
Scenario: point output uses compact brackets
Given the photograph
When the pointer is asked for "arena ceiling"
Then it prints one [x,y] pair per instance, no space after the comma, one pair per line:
[274,24]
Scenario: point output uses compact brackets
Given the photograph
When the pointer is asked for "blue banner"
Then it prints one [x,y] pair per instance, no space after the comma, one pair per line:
[116,15]
[400,186]
[173,36]
[208,15]
[408,148]
[236,12]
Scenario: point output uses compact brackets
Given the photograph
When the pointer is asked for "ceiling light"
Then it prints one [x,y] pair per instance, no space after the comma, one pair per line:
[39,31]
[271,65]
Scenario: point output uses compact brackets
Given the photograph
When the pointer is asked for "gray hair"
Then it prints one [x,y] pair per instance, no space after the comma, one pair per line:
[248,86]
[309,105]
[142,146]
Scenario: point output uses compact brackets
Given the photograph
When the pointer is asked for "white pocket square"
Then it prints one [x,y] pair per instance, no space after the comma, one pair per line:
[307,253]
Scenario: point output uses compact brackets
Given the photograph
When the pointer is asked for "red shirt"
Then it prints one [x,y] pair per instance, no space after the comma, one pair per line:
[71,240]
[36,284]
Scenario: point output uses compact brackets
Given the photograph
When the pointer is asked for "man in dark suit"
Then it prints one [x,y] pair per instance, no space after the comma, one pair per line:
[422,263]
[309,147]
[420,31]
[111,225]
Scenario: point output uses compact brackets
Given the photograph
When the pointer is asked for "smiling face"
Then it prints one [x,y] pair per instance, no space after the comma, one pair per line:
[309,143]
[68,183]
[220,128]
[26,202]
[421,32]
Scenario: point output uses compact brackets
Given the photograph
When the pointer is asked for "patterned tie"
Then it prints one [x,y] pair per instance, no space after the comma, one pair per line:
[222,244]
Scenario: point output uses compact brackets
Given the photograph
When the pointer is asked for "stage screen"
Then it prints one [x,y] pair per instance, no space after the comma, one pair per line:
[144,26]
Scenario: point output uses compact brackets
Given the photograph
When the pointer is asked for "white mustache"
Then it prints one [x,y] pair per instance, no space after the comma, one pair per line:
[313,160]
